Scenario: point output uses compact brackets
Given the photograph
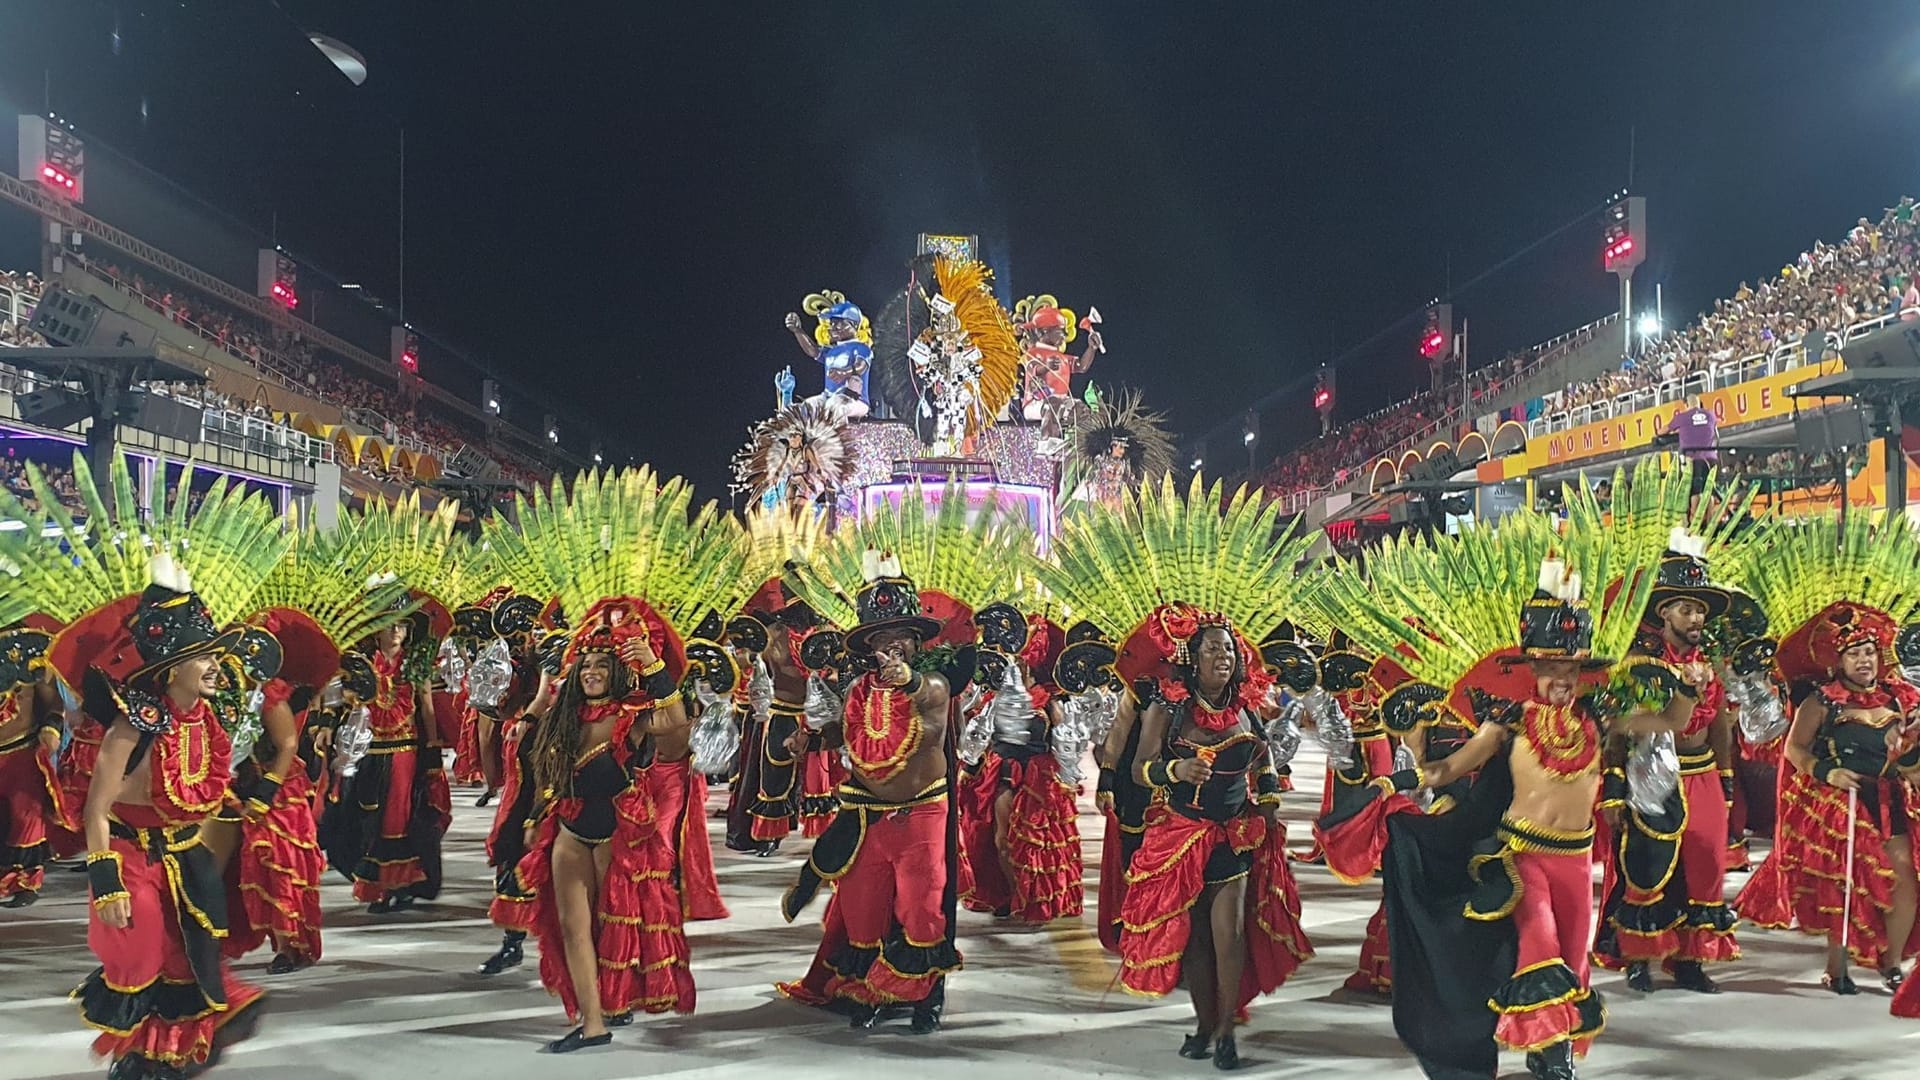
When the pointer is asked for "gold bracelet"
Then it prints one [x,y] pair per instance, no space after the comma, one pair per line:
[257,806]
[657,665]
[1385,784]
[271,779]
[102,901]
[102,856]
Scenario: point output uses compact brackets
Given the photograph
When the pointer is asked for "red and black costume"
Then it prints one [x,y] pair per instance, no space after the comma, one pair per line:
[888,932]
[1042,831]
[638,935]
[273,881]
[680,800]
[1663,894]
[31,797]
[1359,696]
[888,938]
[383,829]
[162,992]
[1807,882]
[277,870]
[1208,834]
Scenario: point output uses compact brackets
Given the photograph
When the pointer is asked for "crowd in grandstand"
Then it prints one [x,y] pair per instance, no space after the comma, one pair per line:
[13,476]
[1873,272]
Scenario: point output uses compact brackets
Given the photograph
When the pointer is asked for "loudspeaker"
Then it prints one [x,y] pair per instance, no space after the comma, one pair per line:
[70,320]
[163,416]
[1830,429]
[1894,348]
[55,407]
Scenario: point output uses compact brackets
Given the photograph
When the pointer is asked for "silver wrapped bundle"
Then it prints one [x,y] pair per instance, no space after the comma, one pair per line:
[1011,711]
[715,742]
[1283,732]
[976,732]
[451,666]
[1763,716]
[351,741]
[490,675]
[1402,761]
[1653,772]
[247,732]
[760,691]
[1331,726]
[1071,737]
[822,706]
[1097,708]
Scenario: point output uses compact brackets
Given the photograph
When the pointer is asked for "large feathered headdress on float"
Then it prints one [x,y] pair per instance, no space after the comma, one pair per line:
[968,286]
[803,446]
[1118,429]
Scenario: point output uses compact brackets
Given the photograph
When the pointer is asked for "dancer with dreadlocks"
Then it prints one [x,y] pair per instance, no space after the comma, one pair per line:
[606,913]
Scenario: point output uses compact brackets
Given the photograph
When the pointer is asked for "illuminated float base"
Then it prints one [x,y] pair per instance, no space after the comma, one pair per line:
[1005,469]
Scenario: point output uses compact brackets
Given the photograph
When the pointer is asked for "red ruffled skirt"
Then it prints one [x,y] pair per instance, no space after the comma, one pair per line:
[1804,882]
[821,772]
[680,802]
[279,867]
[465,730]
[74,776]
[637,934]
[1043,841]
[30,801]
[1167,876]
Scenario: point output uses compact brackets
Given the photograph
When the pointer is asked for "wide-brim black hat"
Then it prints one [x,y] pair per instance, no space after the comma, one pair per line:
[1684,577]
[889,603]
[860,638]
[170,627]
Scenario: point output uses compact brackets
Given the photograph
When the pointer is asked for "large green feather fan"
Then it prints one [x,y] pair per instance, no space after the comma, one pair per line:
[1810,563]
[622,533]
[978,562]
[1113,565]
[229,544]
[329,583]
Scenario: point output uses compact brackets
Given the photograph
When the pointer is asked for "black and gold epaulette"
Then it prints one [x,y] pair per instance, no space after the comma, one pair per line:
[145,711]
[1294,666]
[1753,656]
[357,676]
[1083,665]
[823,648]
[1906,645]
[260,654]
[747,632]
[22,654]
[1343,672]
[710,661]
[1409,706]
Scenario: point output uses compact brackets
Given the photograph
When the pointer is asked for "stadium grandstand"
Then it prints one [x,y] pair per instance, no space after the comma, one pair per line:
[309,387]
[1573,405]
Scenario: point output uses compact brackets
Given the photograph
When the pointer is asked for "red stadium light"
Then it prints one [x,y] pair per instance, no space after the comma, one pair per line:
[284,293]
[410,360]
[59,179]
[1431,345]
[1321,397]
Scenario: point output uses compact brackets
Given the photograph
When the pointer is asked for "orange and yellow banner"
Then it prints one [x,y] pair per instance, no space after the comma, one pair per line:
[1758,399]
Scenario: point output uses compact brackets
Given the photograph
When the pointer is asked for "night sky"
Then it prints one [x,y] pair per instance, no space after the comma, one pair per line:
[616,203]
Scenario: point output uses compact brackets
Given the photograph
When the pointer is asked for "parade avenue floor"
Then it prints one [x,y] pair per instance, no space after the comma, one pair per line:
[398,997]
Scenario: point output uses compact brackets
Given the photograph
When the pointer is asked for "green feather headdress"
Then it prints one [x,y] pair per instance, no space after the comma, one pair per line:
[1113,565]
[977,563]
[229,544]
[620,533]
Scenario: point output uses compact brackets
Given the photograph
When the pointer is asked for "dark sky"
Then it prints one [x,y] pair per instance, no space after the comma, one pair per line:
[617,202]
